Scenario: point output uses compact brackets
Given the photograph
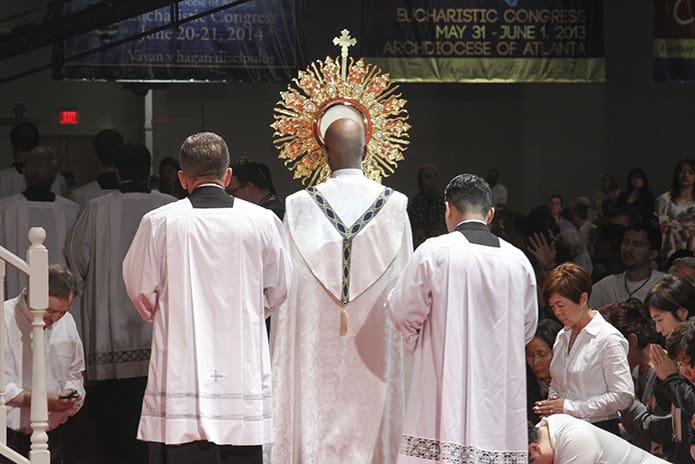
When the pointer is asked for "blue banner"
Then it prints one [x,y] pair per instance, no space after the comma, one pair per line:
[674,40]
[252,41]
[486,40]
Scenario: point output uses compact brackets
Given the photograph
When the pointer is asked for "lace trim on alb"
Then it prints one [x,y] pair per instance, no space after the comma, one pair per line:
[454,453]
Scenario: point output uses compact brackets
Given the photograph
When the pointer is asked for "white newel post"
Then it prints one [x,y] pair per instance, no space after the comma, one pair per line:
[37,259]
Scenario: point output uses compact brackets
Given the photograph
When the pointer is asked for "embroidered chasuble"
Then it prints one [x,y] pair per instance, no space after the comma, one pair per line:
[337,360]
[348,233]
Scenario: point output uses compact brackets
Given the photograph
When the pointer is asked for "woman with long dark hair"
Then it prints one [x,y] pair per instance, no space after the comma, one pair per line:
[675,210]
[637,196]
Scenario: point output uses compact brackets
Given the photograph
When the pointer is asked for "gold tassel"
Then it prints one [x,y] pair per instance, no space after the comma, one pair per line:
[343,322]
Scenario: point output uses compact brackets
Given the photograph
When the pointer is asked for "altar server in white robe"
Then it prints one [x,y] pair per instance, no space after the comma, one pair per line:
[337,360]
[205,270]
[116,339]
[23,138]
[106,145]
[36,206]
[467,300]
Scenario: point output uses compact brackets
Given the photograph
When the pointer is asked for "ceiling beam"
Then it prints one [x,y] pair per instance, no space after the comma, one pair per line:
[93,17]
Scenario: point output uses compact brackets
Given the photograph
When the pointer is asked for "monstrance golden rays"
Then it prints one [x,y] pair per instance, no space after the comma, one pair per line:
[332,89]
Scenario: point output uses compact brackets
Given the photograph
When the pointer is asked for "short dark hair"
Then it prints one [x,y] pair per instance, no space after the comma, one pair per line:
[580,210]
[653,234]
[254,172]
[558,196]
[169,161]
[629,318]
[24,136]
[547,331]
[40,167]
[106,144]
[670,294]
[204,154]
[133,162]
[469,193]
[569,281]
[61,282]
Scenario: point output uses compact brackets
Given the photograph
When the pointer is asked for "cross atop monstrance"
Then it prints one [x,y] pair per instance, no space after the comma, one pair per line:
[344,42]
[332,89]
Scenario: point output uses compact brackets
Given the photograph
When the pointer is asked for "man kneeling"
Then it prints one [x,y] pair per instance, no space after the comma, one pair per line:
[563,439]
[64,365]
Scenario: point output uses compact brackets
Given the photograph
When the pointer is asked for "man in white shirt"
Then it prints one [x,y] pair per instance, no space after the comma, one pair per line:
[204,271]
[64,365]
[565,439]
[499,191]
[106,144]
[467,303]
[116,339]
[36,206]
[640,246]
[337,359]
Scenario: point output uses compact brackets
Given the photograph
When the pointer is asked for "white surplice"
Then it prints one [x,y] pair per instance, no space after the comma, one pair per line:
[339,399]
[116,339]
[82,195]
[18,215]
[11,182]
[64,362]
[203,277]
[474,308]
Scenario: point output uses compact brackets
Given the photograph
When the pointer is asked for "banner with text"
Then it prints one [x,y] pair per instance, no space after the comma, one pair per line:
[674,40]
[251,41]
[486,40]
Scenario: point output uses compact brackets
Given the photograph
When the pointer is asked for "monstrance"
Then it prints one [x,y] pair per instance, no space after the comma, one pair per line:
[340,88]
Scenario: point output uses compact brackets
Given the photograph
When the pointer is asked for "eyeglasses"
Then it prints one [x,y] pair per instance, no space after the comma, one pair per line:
[234,190]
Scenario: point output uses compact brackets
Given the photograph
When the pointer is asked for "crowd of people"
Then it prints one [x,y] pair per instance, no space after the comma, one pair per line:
[617,274]
[214,322]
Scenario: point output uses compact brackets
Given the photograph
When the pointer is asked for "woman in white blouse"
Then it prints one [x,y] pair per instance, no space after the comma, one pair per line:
[676,210]
[590,372]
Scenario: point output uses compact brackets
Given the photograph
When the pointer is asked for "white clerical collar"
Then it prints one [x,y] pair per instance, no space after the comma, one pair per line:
[471,220]
[347,172]
[210,184]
